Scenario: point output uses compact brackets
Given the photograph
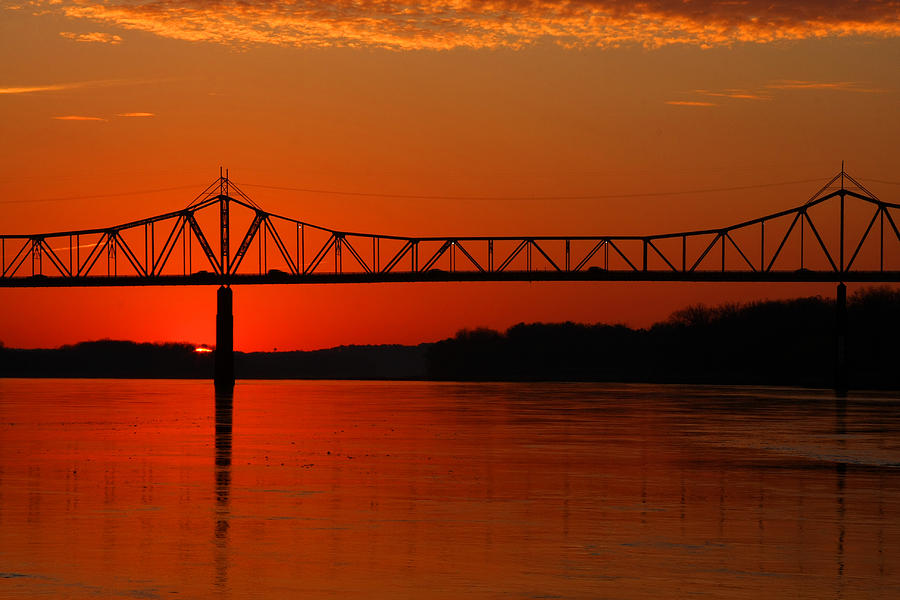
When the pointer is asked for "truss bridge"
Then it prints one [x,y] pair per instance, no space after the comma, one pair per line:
[843,233]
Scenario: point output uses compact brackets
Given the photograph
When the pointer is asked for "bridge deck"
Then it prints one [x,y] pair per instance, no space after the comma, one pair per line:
[446,276]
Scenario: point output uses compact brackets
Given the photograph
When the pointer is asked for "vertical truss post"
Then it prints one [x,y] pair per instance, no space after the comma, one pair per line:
[337,253]
[265,248]
[722,239]
[491,256]
[683,253]
[223,226]
[842,226]
[568,256]
[261,245]
[645,255]
[36,260]
[762,246]
[881,260]
[185,234]
[111,254]
[840,367]
[802,229]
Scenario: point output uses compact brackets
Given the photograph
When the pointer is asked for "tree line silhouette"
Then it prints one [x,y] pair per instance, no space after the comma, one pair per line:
[123,359]
[788,342]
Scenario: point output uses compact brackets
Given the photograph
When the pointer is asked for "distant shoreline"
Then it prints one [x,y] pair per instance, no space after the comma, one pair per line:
[775,343]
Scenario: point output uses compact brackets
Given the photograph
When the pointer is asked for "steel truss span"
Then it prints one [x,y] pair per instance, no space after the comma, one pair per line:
[843,233]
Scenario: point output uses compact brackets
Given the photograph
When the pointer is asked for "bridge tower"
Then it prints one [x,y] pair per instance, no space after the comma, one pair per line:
[224,366]
[224,222]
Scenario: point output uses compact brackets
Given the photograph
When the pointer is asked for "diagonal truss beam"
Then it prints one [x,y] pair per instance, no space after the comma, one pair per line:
[91,259]
[783,241]
[544,254]
[407,247]
[54,258]
[323,251]
[288,259]
[469,256]
[822,245]
[245,243]
[359,259]
[590,254]
[512,255]
[661,255]
[129,254]
[204,244]
[160,261]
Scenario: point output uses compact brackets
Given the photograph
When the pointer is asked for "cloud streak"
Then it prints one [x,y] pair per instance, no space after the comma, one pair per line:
[74,85]
[770,90]
[40,88]
[78,118]
[735,94]
[136,114]
[836,86]
[447,24]
[95,37]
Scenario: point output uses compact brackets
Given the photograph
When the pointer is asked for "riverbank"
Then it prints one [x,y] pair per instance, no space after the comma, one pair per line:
[763,343]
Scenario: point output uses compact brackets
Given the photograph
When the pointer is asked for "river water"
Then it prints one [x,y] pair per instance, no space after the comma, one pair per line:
[136,489]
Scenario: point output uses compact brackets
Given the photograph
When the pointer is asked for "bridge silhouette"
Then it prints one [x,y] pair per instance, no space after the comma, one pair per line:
[843,233]
[193,246]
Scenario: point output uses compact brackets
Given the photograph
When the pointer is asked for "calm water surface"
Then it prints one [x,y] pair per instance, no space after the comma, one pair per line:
[134,489]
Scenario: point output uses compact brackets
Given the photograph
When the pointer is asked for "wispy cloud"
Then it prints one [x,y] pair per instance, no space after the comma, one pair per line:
[127,115]
[770,90]
[839,86]
[689,103]
[93,37]
[74,85]
[39,88]
[78,118]
[735,94]
[445,24]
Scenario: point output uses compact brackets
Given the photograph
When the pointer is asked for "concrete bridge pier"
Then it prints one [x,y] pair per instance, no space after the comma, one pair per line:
[840,364]
[224,366]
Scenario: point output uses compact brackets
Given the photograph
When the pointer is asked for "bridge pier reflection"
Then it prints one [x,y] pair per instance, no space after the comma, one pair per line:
[223,426]
[224,368]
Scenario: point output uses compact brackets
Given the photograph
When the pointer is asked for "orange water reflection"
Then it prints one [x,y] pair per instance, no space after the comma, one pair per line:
[399,490]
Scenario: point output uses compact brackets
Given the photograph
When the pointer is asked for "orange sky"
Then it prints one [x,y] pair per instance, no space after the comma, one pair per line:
[454,98]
